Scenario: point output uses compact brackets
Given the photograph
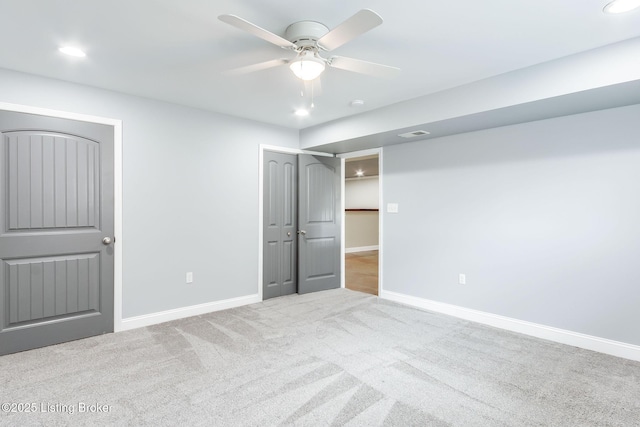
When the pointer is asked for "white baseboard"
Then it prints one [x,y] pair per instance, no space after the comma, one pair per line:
[361,249]
[602,345]
[180,313]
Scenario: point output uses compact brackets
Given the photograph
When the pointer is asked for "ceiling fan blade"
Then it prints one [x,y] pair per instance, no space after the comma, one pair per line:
[256,67]
[247,26]
[359,23]
[363,67]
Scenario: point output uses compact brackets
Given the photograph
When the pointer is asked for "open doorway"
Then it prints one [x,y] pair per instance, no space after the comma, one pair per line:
[362,219]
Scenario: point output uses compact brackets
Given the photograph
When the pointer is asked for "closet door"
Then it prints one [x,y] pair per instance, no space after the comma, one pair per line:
[280,224]
[319,216]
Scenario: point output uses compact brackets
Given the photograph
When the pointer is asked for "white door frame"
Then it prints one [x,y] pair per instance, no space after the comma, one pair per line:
[363,153]
[277,149]
[117,172]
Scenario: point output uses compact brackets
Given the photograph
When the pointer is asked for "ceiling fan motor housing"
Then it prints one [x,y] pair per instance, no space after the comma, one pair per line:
[305,34]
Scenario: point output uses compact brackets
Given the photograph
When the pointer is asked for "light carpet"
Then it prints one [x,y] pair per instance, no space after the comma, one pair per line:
[326,359]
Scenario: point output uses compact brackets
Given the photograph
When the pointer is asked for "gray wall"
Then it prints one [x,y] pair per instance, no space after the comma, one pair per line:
[190,183]
[542,217]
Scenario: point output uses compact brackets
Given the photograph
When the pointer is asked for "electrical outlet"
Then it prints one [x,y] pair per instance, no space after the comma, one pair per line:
[462,279]
[189,277]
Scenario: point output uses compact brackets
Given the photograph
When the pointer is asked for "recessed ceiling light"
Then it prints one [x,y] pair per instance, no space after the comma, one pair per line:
[359,172]
[621,6]
[301,112]
[72,51]
[357,103]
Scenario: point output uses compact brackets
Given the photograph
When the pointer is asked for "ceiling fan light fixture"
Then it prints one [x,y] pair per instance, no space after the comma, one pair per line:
[621,6]
[307,66]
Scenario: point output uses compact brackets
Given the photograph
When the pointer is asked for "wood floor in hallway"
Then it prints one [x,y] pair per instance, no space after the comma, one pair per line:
[361,272]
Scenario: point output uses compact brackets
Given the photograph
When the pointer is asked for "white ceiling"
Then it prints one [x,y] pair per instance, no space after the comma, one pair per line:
[175,50]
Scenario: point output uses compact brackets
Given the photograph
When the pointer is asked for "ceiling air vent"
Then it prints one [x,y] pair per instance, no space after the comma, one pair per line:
[414,133]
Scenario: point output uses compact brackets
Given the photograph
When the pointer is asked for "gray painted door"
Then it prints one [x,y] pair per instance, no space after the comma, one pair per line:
[280,224]
[319,223]
[56,206]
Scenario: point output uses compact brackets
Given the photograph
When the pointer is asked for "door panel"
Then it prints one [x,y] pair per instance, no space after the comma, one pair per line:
[53,181]
[280,224]
[56,205]
[53,286]
[320,222]
[320,262]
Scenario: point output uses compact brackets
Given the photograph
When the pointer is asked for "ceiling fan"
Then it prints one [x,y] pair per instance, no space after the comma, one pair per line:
[307,39]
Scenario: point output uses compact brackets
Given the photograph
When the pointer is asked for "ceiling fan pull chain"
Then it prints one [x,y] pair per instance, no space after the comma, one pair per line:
[312,93]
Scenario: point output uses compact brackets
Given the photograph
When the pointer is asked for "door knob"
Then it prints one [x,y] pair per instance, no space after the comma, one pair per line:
[106,241]
[288,233]
[303,232]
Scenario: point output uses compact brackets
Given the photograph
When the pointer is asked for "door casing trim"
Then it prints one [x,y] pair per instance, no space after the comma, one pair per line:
[117,184]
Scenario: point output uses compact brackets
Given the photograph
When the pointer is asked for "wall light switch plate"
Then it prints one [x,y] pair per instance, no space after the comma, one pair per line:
[189,277]
[462,279]
[392,207]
